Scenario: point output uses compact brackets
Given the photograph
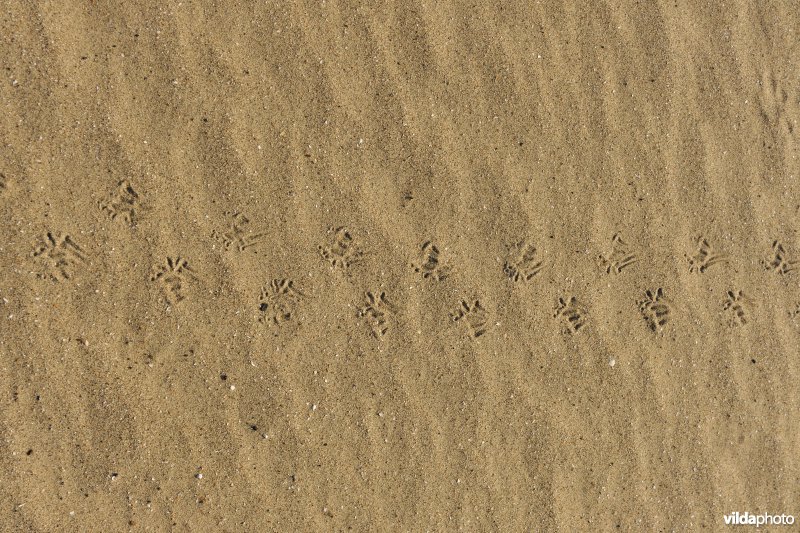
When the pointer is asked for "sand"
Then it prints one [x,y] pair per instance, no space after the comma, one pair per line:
[413,266]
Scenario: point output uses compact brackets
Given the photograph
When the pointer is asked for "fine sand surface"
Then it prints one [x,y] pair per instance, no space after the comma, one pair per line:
[402,266]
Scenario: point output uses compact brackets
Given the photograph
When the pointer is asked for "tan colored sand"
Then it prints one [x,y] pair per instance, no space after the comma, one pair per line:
[196,198]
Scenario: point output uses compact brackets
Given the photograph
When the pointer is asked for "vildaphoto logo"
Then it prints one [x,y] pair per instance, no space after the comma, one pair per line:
[758,520]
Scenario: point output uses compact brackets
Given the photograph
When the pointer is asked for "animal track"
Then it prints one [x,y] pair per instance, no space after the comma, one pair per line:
[239,236]
[779,262]
[521,263]
[736,307]
[277,302]
[778,106]
[704,257]
[572,313]
[655,309]
[619,257]
[475,316]
[173,275]
[429,264]
[123,203]
[4,184]
[59,256]
[376,312]
[343,250]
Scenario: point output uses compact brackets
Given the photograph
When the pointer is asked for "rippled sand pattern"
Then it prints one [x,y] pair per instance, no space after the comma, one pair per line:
[405,266]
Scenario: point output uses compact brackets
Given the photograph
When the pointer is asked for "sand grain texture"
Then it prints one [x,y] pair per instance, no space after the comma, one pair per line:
[406,266]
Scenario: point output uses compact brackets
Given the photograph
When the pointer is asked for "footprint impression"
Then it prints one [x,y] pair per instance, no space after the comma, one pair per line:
[656,309]
[522,262]
[277,302]
[778,261]
[618,257]
[376,313]
[173,275]
[473,315]
[239,236]
[704,257]
[59,257]
[429,263]
[572,314]
[736,307]
[122,203]
[343,250]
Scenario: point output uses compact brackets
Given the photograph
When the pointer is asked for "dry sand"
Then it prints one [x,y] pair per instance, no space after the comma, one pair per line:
[322,266]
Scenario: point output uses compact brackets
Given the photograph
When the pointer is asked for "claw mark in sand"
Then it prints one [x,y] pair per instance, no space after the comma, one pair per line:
[619,257]
[376,312]
[59,256]
[474,315]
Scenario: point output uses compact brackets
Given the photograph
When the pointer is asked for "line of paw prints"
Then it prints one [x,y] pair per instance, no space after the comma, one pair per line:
[656,310]
[279,299]
[700,260]
[342,250]
[702,257]
[59,258]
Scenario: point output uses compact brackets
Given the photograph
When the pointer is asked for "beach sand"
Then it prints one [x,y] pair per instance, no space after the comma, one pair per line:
[404,266]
